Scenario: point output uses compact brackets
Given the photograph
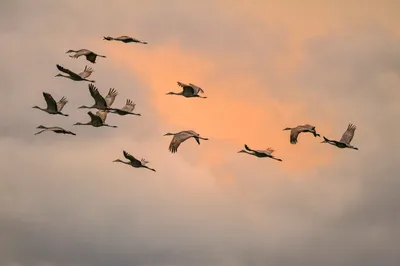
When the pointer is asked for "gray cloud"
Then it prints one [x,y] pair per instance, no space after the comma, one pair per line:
[63,202]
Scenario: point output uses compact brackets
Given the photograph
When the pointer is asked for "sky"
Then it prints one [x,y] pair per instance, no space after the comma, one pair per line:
[264,66]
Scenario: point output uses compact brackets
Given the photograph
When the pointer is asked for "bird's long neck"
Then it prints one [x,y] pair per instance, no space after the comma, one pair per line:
[248,152]
[92,81]
[120,161]
[83,124]
[288,128]
[40,108]
[203,138]
[101,56]
[176,93]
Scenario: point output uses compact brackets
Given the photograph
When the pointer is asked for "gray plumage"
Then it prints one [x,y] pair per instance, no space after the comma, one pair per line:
[76,77]
[124,39]
[101,103]
[126,110]
[181,137]
[53,107]
[260,153]
[96,120]
[90,56]
[189,91]
[345,140]
[294,132]
[134,162]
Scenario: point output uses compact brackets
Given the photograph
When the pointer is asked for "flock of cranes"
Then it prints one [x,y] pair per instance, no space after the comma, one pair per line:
[103,106]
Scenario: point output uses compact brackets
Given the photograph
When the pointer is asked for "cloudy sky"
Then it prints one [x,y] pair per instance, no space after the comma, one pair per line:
[264,65]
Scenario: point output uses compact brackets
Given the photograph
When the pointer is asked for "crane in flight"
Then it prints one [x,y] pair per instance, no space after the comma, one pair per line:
[260,153]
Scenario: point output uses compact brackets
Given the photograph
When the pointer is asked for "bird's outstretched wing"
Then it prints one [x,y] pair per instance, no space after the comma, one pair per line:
[51,103]
[187,89]
[131,158]
[67,71]
[97,96]
[144,162]
[102,114]
[269,151]
[91,57]
[180,84]
[95,118]
[194,134]
[307,126]
[178,139]
[247,147]
[60,130]
[294,134]
[86,72]
[110,98]
[129,106]
[348,134]
[197,89]
[61,103]
[174,145]
[124,37]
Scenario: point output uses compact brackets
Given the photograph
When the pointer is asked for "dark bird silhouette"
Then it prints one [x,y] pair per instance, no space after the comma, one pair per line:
[76,77]
[53,107]
[294,132]
[124,39]
[181,137]
[260,153]
[134,162]
[189,91]
[57,130]
[344,142]
[90,56]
